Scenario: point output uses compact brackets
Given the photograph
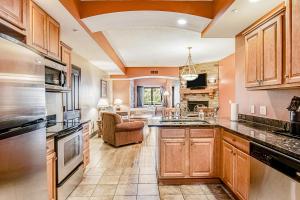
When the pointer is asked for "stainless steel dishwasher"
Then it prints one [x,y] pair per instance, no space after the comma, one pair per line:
[273,175]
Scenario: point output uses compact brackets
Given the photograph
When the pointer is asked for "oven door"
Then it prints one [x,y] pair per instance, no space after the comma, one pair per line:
[69,153]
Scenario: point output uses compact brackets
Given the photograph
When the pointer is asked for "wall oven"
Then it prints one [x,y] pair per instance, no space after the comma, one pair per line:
[69,148]
[55,75]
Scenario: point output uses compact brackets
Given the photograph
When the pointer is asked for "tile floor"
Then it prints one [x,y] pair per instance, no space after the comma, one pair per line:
[128,173]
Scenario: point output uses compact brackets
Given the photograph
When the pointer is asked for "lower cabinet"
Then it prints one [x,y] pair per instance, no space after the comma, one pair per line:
[51,170]
[201,157]
[236,168]
[173,157]
[86,145]
[186,153]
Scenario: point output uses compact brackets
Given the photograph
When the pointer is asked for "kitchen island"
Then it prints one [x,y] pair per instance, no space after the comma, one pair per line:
[194,151]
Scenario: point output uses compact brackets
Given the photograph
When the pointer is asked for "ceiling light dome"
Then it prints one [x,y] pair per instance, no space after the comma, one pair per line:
[189,71]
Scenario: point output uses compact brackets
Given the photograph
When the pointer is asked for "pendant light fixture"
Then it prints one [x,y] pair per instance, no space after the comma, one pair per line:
[189,71]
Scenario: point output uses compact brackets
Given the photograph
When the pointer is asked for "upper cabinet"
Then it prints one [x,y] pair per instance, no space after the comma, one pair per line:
[44,31]
[263,52]
[13,14]
[292,73]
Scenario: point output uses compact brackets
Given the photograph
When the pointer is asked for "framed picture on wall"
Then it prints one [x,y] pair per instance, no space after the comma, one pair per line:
[103,90]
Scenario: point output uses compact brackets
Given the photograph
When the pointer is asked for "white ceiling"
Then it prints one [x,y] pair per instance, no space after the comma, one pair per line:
[140,19]
[232,23]
[80,41]
[166,46]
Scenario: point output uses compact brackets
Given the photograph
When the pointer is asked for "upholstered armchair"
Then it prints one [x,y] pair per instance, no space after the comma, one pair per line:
[118,133]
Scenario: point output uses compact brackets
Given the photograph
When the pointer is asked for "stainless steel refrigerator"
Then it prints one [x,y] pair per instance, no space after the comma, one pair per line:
[23,172]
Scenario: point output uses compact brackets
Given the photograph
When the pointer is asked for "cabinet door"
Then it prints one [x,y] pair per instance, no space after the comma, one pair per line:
[51,172]
[292,41]
[14,11]
[242,174]
[173,157]
[37,37]
[66,58]
[271,72]
[228,164]
[201,157]
[53,31]
[253,62]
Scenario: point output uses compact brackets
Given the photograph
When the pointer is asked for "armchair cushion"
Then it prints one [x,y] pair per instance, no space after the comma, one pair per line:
[129,126]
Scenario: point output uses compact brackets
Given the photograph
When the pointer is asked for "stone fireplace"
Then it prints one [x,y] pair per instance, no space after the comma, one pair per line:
[191,104]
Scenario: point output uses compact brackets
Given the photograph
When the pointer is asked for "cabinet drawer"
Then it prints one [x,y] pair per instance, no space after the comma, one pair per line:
[86,157]
[173,133]
[50,146]
[201,133]
[86,141]
[236,141]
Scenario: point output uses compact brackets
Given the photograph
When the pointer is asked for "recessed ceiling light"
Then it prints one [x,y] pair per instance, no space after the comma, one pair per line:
[181,21]
[234,10]
[254,1]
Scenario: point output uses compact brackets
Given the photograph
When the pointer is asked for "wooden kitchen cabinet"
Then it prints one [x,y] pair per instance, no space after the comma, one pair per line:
[242,176]
[86,144]
[53,38]
[201,157]
[264,54]
[292,73]
[51,169]
[228,164]
[66,55]
[173,157]
[37,35]
[44,31]
[13,14]
[236,164]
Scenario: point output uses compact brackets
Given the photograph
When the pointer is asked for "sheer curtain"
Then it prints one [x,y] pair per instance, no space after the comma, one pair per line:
[140,96]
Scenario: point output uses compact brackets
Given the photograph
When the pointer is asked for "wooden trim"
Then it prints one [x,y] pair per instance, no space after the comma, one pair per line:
[187,181]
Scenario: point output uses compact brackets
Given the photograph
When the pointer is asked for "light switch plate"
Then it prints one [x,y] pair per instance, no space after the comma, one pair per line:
[263,110]
[252,109]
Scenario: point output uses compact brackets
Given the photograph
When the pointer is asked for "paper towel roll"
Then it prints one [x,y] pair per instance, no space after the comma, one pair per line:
[234,111]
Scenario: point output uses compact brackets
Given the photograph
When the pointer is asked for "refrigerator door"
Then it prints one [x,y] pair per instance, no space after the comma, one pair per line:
[23,171]
[22,85]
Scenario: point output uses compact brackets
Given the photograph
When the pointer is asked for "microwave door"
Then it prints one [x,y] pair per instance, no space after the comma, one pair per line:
[63,79]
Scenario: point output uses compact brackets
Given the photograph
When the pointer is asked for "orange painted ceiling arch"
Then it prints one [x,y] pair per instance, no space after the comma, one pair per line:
[198,8]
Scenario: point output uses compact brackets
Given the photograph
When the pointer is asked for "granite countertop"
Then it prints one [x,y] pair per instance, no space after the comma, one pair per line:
[253,132]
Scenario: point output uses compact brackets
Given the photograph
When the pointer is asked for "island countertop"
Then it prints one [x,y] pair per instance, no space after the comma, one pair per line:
[251,131]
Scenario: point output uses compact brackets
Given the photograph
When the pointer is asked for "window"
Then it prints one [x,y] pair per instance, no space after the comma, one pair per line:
[152,96]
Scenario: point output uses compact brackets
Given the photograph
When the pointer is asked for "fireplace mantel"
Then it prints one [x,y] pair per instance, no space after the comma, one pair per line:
[210,91]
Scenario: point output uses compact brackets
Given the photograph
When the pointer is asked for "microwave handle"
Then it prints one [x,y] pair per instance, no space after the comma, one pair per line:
[63,78]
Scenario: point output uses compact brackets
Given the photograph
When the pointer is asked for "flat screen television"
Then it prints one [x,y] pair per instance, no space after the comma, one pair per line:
[198,83]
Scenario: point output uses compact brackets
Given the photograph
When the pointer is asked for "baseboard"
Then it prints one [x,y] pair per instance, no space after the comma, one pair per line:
[188,181]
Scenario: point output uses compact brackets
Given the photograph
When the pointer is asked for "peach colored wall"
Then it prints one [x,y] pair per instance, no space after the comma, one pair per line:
[226,84]
[121,90]
[275,100]
[132,72]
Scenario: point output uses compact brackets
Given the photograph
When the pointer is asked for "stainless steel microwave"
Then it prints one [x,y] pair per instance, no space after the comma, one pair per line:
[55,76]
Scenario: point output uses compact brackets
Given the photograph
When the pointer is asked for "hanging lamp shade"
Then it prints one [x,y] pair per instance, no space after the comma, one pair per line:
[189,72]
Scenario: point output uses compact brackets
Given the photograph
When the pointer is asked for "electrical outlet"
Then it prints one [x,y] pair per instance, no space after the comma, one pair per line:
[263,110]
[252,109]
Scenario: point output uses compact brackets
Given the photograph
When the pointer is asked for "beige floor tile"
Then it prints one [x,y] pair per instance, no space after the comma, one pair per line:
[126,190]
[113,171]
[131,171]
[191,189]
[148,198]
[172,197]
[90,180]
[125,179]
[147,189]
[206,189]
[105,190]
[169,190]
[83,191]
[195,197]
[109,179]
[147,178]
[97,171]
[147,170]
[124,198]
[78,198]
[218,197]
[111,197]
